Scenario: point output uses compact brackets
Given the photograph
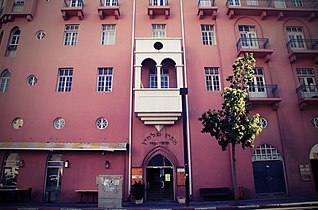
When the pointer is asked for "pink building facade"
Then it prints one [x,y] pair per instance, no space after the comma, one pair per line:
[92,88]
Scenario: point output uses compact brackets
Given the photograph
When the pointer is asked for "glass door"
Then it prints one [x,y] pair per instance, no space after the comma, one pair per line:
[257,89]
[248,37]
[296,37]
[279,4]
[54,172]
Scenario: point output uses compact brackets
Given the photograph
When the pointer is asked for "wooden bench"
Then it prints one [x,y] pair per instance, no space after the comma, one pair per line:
[219,193]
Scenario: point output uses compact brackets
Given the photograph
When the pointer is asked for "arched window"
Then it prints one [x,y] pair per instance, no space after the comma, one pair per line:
[266,152]
[13,42]
[10,170]
[4,81]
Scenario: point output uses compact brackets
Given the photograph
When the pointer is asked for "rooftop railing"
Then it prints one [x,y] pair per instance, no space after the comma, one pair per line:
[302,44]
[307,91]
[206,3]
[274,3]
[253,43]
[263,91]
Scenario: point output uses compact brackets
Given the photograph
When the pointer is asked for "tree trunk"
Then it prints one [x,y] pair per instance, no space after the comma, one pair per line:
[236,197]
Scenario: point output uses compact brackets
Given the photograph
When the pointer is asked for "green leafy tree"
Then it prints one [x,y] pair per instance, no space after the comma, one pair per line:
[232,124]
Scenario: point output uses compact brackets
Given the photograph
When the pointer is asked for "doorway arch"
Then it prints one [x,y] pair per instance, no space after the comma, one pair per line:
[313,156]
[268,169]
[159,166]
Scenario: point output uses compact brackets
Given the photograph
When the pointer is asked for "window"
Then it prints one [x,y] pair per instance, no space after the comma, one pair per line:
[257,86]
[17,123]
[158,30]
[314,122]
[263,122]
[18,5]
[252,2]
[59,123]
[234,2]
[70,34]
[101,123]
[40,35]
[307,80]
[13,42]
[32,80]
[76,3]
[266,152]
[64,82]
[158,2]
[205,3]
[105,80]
[297,3]
[4,81]
[212,79]
[248,37]
[10,170]
[279,4]
[164,77]
[110,3]
[108,34]
[296,37]
[208,34]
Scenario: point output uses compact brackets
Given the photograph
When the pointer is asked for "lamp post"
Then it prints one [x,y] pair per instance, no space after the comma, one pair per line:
[183,93]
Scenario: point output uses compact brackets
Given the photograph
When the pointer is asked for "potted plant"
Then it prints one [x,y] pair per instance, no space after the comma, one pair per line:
[137,191]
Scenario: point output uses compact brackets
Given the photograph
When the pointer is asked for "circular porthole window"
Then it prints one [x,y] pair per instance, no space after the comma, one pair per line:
[263,122]
[314,122]
[32,80]
[59,123]
[158,45]
[17,123]
[40,35]
[101,123]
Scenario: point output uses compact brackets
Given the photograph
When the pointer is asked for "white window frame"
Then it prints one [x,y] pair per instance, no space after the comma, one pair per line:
[234,2]
[306,76]
[70,34]
[153,83]
[59,123]
[76,3]
[4,81]
[32,80]
[101,123]
[212,78]
[110,3]
[159,30]
[205,3]
[104,79]
[257,88]
[18,6]
[296,37]
[65,80]
[108,36]
[158,3]
[208,34]
[266,152]
[297,3]
[164,78]
[279,4]
[248,36]
[252,2]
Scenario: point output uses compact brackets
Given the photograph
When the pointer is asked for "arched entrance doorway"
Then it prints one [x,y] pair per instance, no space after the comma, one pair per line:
[160,179]
[314,164]
[268,169]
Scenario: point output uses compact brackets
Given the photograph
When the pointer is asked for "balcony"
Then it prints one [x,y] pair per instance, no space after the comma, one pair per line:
[158,7]
[276,8]
[302,49]
[258,46]
[307,95]
[15,10]
[108,8]
[264,94]
[158,106]
[207,8]
[72,8]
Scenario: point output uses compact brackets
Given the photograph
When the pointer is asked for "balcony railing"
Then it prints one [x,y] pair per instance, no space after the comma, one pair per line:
[253,43]
[263,91]
[276,8]
[72,8]
[206,3]
[73,3]
[307,91]
[274,3]
[108,3]
[258,46]
[302,44]
[158,3]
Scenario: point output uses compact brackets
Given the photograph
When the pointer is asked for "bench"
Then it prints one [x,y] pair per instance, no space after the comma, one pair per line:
[219,193]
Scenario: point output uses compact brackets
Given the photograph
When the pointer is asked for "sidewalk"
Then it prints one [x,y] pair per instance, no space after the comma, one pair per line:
[273,203]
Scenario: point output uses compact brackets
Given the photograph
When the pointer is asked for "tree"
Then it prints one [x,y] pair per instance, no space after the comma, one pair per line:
[232,124]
